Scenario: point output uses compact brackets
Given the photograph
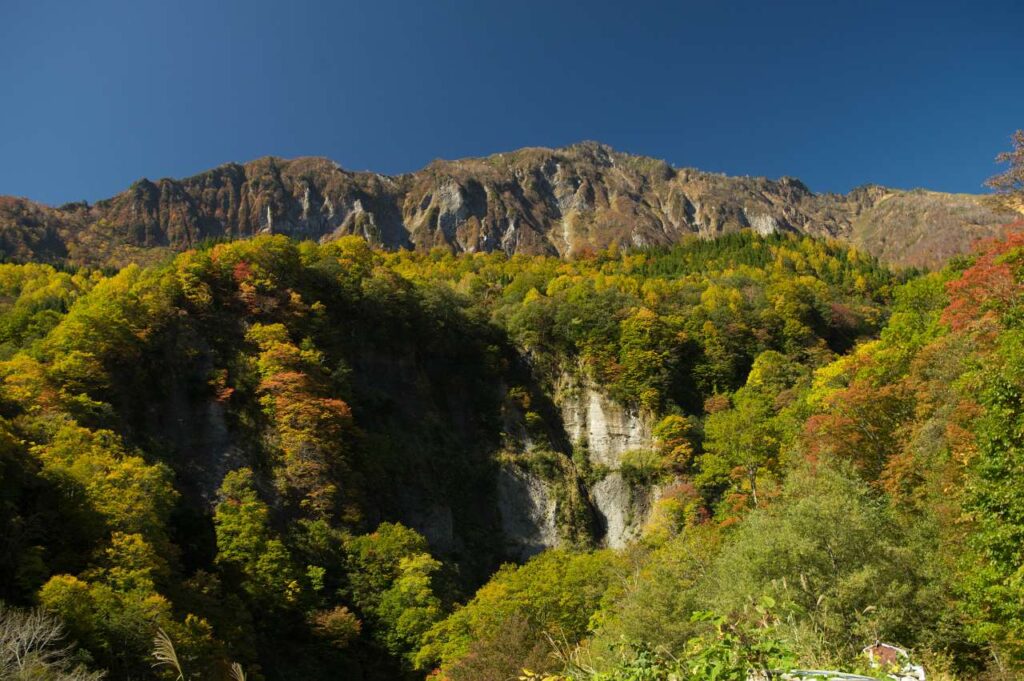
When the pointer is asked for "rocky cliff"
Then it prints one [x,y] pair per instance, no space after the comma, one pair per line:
[550,201]
[606,431]
[536,504]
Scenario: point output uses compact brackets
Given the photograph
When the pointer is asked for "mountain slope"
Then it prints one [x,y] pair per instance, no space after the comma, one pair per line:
[533,201]
[220,445]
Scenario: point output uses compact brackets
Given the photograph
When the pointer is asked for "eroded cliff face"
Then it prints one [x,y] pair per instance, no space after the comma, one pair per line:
[623,507]
[523,508]
[528,508]
[604,427]
[607,431]
[533,201]
[568,486]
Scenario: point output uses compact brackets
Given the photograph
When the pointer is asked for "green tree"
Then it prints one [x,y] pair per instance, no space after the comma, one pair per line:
[246,544]
[374,561]
[556,593]
[411,606]
[995,503]
[655,604]
[831,554]
[741,444]
[133,496]
[116,627]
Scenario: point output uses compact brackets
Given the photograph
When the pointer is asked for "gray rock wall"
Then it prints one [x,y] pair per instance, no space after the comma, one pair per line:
[609,430]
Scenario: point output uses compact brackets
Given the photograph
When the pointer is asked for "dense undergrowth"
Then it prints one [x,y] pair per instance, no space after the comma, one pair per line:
[239,448]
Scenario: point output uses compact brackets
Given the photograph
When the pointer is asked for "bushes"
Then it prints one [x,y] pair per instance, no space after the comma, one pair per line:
[33,648]
[831,554]
[220,433]
[641,467]
[554,594]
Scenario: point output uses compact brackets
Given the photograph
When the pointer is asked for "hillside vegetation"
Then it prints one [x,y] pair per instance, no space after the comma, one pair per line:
[289,457]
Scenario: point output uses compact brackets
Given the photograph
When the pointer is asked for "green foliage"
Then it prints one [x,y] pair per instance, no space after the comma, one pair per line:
[744,440]
[116,627]
[33,298]
[641,466]
[410,607]
[724,650]
[672,327]
[642,664]
[995,502]
[654,607]
[131,495]
[554,594]
[735,653]
[829,552]
[375,560]
[218,447]
[394,580]
[246,543]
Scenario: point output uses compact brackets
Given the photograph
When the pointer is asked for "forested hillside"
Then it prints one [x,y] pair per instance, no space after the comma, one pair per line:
[505,341]
[297,461]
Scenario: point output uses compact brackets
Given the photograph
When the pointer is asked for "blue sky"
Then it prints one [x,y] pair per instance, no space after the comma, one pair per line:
[94,95]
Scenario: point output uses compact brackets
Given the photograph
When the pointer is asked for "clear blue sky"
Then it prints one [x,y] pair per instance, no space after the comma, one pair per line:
[95,94]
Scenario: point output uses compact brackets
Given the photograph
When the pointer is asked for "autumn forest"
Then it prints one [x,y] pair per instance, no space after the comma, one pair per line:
[273,458]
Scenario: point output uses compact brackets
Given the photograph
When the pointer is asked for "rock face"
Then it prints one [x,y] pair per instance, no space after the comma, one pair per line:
[608,431]
[527,507]
[623,508]
[534,201]
[585,496]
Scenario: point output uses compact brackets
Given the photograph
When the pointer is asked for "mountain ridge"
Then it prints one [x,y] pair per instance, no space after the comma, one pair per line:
[534,200]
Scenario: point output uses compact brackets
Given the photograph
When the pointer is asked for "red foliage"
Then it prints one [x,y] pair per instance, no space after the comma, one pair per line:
[242,272]
[987,287]
[221,389]
[861,425]
[716,403]
[831,434]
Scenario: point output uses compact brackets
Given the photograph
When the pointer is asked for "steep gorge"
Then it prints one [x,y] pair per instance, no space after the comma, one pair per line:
[371,416]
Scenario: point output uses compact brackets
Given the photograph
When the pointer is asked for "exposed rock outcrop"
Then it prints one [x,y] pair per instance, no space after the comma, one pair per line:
[624,508]
[528,512]
[607,431]
[606,427]
[534,201]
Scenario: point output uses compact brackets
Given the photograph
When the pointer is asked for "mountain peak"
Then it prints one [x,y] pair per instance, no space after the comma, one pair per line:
[590,149]
[535,200]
